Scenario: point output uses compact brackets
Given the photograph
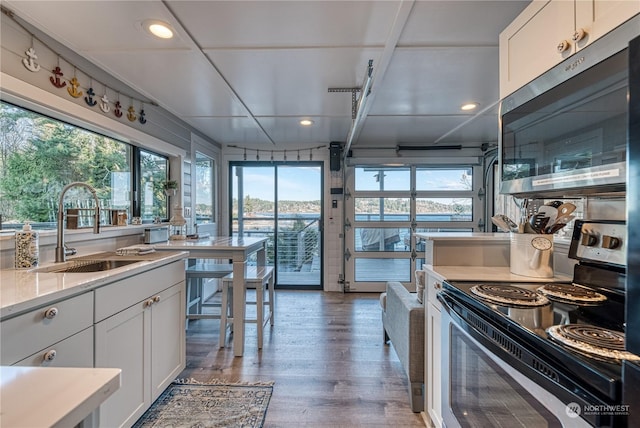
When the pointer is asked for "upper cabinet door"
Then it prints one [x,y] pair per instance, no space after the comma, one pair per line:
[549,31]
[529,46]
[597,17]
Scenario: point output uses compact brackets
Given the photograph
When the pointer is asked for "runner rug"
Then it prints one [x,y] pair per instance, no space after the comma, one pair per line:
[209,405]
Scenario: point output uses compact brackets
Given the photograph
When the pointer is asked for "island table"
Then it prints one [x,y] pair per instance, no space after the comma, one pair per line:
[237,249]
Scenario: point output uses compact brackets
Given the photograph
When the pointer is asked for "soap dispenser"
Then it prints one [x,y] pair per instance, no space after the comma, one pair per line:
[27,251]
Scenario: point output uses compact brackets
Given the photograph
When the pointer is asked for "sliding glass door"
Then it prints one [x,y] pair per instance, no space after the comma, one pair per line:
[282,201]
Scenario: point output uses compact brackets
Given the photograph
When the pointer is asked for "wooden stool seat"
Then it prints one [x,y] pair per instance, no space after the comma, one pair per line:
[258,277]
[195,275]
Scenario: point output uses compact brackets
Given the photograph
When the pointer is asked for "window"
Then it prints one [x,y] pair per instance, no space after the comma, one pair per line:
[40,155]
[388,205]
[204,189]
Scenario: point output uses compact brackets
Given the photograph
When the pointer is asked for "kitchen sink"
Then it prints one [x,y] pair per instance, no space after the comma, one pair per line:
[84,266]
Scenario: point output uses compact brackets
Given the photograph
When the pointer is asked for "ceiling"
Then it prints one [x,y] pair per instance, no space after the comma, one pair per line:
[245,73]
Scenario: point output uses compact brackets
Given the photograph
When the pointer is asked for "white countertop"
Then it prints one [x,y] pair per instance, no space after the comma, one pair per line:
[53,396]
[22,290]
[462,236]
[489,274]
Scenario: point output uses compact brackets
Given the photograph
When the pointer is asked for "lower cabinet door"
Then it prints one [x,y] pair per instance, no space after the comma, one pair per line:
[168,353]
[122,341]
[434,399]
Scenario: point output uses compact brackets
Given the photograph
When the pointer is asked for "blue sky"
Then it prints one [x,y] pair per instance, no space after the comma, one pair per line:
[294,183]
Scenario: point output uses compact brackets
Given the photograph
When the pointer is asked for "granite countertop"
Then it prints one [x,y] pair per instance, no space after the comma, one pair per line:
[23,290]
[53,396]
[490,274]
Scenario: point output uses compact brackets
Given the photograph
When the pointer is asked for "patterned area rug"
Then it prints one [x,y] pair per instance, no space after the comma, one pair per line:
[209,405]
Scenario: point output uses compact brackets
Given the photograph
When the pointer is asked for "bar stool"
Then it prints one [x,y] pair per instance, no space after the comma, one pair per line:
[195,275]
[258,277]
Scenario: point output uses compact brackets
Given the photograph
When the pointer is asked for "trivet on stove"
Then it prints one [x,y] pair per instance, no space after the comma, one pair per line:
[592,341]
[572,293]
[509,295]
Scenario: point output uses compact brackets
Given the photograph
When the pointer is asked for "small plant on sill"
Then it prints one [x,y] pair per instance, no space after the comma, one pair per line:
[170,187]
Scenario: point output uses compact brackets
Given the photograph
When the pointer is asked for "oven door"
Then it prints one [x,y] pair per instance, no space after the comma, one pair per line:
[480,389]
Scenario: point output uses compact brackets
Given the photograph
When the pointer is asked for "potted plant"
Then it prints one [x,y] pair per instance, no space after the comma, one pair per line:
[170,187]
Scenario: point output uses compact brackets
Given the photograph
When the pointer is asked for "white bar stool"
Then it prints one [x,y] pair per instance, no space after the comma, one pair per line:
[195,275]
[258,277]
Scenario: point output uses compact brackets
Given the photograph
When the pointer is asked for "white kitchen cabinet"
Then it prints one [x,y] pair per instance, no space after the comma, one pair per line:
[46,335]
[74,351]
[548,32]
[432,342]
[146,340]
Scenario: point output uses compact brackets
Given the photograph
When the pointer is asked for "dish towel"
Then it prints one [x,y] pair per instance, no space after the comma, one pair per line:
[135,250]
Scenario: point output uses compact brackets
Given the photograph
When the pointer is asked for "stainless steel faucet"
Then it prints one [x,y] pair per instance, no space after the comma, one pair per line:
[62,251]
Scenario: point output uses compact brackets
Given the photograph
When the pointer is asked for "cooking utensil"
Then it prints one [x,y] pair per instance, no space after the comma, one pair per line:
[505,223]
[549,211]
[560,222]
[566,208]
[523,205]
[500,223]
[554,204]
[538,221]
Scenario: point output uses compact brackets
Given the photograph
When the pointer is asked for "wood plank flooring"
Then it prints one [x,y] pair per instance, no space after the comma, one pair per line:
[326,357]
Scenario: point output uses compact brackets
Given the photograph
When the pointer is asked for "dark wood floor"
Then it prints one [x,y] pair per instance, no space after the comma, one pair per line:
[325,356]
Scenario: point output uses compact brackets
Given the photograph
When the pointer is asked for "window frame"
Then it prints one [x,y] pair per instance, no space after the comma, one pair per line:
[133,158]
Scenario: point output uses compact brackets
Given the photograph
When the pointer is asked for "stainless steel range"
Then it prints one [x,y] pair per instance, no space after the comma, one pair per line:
[541,354]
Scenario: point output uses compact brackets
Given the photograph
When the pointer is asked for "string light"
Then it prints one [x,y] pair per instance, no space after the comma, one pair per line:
[274,153]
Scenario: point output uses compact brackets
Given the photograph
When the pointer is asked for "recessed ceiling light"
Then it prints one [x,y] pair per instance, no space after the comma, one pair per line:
[158,28]
[469,106]
[306,122]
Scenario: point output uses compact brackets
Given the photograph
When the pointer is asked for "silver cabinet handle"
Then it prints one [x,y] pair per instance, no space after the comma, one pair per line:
[49,355]
[148,303]
[156,299]
[51,313]
[437,285]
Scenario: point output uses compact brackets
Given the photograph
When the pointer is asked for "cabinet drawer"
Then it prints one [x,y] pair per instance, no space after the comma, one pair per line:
[117,296]
[28,333]
[74,351]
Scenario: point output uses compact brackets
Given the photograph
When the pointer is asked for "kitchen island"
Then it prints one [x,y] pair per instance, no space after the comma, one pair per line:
[31,396]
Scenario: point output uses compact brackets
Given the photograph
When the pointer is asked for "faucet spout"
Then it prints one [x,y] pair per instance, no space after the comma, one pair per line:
[62,251]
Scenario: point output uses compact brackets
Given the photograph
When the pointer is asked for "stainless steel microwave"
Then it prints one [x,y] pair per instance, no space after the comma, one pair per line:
[565,133]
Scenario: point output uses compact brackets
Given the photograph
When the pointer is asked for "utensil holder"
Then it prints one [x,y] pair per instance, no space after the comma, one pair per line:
[529,257]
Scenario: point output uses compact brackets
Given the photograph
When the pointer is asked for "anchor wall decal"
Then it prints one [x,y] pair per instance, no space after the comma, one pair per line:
[30,63]
[117,110]
[89,98]
[104,104]
[57,82]
[132,114]
[142,118]
[73,89]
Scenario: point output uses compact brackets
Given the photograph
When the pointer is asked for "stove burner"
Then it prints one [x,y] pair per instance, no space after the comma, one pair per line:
[572,293]
[509,295]
[592,341]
